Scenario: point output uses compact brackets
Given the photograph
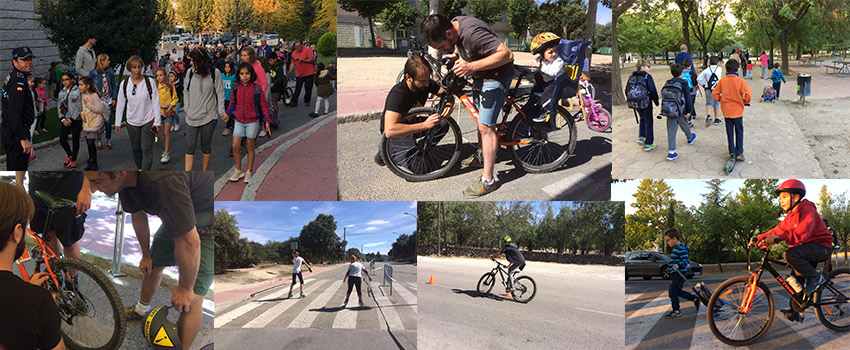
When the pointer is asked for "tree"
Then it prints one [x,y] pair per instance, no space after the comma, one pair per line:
[225,11]
[66,23]
[367,10]
[618,95]
[226,238]
[355,252]
[319,240]
[166,16]
[686,9]
[398,16]
[704,19]
[307,14]
[753,211]
[450,8]
[288,24]
[565,18]
[326,15]
[520,13]
[196,15]
[489,11]
[652,202]
[327,44]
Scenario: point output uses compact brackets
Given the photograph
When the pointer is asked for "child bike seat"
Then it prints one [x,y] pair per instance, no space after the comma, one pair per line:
[54,202]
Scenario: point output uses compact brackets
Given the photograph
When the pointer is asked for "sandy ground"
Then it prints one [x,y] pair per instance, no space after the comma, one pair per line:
[384,70]
[247,277]
[824,124]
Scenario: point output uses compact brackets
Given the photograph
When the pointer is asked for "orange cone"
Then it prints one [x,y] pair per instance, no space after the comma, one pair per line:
[432,280]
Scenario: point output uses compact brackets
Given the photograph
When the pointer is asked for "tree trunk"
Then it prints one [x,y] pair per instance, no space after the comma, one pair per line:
[799,51]
[372,31]
[783,47]
[590,23]
[617,95]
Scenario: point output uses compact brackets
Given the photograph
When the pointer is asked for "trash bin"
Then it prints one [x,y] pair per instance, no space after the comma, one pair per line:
[379,42]
[804,85]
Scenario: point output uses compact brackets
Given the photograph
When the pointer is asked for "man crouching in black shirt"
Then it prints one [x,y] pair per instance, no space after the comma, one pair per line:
[412,92]
[28,315]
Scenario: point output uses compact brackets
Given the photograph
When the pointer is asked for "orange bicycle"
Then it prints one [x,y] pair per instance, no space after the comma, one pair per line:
[89,305]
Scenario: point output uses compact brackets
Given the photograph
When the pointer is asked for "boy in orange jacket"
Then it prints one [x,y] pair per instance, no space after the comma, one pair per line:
[733,93]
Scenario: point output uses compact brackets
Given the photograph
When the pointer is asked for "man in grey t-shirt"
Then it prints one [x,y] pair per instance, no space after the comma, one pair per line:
[478,52]
[85,59]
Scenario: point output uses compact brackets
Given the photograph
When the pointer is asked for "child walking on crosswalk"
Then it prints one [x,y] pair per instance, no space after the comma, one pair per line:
[353,272]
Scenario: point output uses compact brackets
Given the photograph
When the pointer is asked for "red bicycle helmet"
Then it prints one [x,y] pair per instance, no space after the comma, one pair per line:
[791,186]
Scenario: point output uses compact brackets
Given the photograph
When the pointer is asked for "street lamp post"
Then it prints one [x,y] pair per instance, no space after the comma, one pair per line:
[414,216]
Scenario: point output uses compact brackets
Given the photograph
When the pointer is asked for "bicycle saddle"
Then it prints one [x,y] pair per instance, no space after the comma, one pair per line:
[54,202]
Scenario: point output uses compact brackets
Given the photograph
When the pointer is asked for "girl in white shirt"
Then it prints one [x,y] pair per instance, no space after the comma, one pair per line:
[139,97]
[354,277]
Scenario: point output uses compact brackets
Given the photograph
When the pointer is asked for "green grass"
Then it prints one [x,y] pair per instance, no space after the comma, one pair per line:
[52,125]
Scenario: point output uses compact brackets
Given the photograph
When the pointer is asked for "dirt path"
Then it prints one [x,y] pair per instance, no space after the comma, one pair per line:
[251,276]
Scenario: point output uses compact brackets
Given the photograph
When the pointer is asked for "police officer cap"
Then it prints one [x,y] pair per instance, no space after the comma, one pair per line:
[22,53]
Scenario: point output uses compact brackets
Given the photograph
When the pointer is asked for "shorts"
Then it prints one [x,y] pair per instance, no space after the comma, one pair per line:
[249,130]
[300,277]
[162,254]
[68,225]
[169,119]
[709,100]
[275,97]
[490,99]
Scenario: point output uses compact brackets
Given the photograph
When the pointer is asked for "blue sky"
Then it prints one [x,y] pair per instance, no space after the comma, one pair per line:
[368,224]
[690,191]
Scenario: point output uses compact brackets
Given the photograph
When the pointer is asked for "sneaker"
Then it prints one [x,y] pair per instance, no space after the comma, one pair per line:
[67,161]
[648,148]
[262,134]
[99,145]
[673,314]
[361,303]
[176,127]
[131,313]
[302,294]
[72,165]
[290,294]
[247,176]
[91,167]
[35,132]
[237,174]
[33,158]
[696,304]
[345,302]
[708,121]
[313,115]
[378,159]
[172,127]
[693,137]
[640,141]
[541,118]
[472,161]
[813,283]
[478,189]
[672,155]
[793,316]
[165,158]
[43,130]
[226,132]
[717,122]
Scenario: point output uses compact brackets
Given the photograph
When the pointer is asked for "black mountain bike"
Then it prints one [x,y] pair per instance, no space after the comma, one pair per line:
[743,306]
[524,287]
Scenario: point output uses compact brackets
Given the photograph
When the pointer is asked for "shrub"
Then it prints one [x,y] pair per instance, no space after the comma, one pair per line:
[327,44]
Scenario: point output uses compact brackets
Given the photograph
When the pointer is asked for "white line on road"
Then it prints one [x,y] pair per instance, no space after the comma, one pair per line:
[599,312]
[388,308]
[267,317]
[347,317]
[408,297]
[574,181]
[306,318]
[221,320]
[641,321]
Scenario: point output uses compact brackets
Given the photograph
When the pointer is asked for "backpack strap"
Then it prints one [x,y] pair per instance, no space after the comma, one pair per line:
[257,103]
[150,90]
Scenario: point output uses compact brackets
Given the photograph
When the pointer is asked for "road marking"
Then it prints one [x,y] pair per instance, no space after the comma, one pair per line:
[408,297]
[599,312]
[389,312]
[267,317]
[306,318]
[347,317]
[229,316]
[641,321]
[572,182]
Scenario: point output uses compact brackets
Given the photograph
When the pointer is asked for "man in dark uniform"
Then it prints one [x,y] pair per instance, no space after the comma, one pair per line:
[18,104]
[515,258]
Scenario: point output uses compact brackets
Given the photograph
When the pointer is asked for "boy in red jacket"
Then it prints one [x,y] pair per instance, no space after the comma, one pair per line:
[809,241]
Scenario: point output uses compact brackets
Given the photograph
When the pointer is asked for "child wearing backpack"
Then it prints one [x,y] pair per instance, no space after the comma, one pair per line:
[733,93]
[690,76]
[676,105]
[168,102]
[777,77]
[679,263]
[708,79]
[248,107]
[640,91]
[324,89]
[93,115]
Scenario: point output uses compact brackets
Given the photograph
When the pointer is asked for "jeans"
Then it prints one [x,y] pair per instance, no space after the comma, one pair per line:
[108,124]
[764,73]
[489,97]
[736,140]
[141,140]
[75,128]
[206,132]
[672,125]
[805,257]
[675,292]
[645,129]
[308,89]
[776,86]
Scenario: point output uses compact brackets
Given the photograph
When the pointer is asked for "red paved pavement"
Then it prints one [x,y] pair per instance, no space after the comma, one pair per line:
[305,172]
[225,296]
[362,99]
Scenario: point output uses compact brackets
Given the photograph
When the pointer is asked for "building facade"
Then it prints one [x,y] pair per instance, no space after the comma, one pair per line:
[19,26]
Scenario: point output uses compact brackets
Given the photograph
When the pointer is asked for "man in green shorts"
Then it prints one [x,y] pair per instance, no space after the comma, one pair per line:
[184,203]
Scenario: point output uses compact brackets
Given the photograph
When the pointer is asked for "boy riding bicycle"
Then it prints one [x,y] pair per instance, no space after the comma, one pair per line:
[515,258]
[809,241]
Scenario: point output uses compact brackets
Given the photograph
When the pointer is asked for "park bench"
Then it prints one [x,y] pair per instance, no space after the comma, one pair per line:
[834,67]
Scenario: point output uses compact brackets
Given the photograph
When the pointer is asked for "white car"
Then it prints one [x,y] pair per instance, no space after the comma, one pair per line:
[272,40]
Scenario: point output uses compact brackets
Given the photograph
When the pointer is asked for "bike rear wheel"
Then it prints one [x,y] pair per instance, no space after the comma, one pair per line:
[726,320]
[524,289]
[600,122]
[835,316]
[541,148]
[425,155]
[485,283]
[90,310]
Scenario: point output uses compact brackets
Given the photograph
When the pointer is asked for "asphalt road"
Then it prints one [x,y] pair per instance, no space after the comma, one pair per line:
[585,176]
[576,307]
[271,320]
[646,327]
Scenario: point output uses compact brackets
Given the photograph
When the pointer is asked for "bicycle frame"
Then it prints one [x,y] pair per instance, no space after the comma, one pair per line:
[42,254]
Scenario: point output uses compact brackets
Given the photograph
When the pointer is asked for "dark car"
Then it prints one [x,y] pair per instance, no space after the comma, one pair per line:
[646,264]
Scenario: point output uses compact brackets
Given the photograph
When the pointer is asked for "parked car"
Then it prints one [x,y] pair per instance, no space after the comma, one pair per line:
[272,40]
[646,264]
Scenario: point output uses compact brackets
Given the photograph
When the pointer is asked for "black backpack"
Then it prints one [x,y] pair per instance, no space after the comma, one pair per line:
[126,82]
[637,92]
[672,99]
[712,82]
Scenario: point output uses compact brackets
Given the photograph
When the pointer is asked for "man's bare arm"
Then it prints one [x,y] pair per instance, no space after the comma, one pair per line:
[187,252]
[502,56]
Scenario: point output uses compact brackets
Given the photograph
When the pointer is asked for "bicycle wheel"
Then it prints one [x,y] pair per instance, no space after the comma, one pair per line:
[726,320]
[90,310]
[524,289]
[485,283]
[539,148]
[601,121]
[425,155]
[400,77]
[835,316]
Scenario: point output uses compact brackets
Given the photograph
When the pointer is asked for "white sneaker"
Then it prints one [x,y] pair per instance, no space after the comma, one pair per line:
[165,158]
[237,174]
[262,133]
[176,127]
[247,176]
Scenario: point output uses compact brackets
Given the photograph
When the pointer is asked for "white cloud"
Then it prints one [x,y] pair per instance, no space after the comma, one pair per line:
[235,212]
[254,237]
[378,222]
[370,228]
[293,209]
[412,205]
[325,208]
[352,225]
[370,245]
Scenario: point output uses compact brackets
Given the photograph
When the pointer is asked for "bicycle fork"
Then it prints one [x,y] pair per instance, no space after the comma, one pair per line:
[750,293]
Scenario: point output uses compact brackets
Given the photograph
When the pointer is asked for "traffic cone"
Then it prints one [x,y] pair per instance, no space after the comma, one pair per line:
[432,280]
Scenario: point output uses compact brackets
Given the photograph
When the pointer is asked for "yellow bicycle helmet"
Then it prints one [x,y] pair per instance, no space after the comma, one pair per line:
[540,41]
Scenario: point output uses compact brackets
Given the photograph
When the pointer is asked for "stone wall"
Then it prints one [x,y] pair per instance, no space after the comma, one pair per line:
[19,26]
[475,252]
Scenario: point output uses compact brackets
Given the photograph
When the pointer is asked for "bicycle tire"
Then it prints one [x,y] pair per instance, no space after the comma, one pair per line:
[827,314]
[425,155]
[727,311]
[486,282]
[84,325]
[525,288]
[601,122]
[544,153]
[400,77]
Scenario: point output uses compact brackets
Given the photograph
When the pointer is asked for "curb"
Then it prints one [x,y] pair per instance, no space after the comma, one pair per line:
[359,117]
[38,146]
